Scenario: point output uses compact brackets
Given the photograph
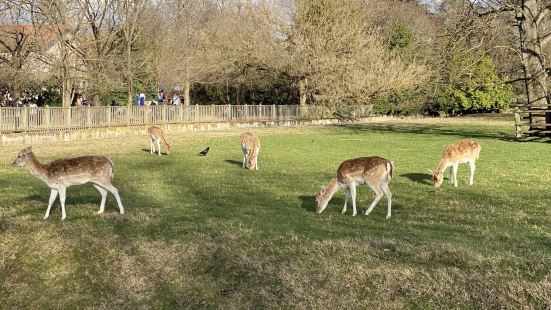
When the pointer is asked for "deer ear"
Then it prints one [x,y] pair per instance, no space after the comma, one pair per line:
[431,172]
[29,149]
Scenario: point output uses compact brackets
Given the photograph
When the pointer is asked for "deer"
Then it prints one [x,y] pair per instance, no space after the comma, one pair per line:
[156,135]
[374,171]
[250,145]
[63,173]
[464,151]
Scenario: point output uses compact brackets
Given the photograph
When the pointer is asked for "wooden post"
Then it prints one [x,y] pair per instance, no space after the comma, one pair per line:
[109,113]
[518,123]
[88,116]
[128,111]
[25,124]
[47,117]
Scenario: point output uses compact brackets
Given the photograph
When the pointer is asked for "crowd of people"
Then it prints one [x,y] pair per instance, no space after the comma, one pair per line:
[173,99]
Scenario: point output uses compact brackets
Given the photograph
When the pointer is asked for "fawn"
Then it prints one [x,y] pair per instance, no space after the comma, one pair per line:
[156,135]
[250,145]
[62,173]
[375,171]
[466,151]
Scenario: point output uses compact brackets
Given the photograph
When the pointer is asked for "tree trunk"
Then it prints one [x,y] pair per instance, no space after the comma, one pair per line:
[533,64]
[129,78]
[302,91]
[187,99]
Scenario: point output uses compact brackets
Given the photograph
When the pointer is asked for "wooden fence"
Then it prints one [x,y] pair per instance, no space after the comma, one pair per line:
[26,119]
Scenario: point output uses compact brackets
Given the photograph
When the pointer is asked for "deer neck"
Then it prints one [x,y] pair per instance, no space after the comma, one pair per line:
[331,189]
[37,168]
[444,164]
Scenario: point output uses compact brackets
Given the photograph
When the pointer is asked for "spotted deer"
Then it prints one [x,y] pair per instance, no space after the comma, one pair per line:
[62,173]
[375,171]
[156,135]
[465,151]
[250,145]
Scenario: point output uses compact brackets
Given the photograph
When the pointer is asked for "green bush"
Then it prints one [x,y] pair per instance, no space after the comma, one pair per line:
[478,90]
[402,102]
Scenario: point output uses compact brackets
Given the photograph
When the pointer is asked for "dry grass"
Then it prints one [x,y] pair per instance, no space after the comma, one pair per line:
[204,233]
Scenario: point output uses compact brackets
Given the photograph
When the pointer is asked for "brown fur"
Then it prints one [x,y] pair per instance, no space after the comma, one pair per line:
[375,171]
[62,173]
[250,145]
[156,135]
[454,154]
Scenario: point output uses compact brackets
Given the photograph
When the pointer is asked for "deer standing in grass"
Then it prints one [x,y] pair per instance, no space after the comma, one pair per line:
[250,145]
[62,173]
[156,135]
[466,151]
[375,171]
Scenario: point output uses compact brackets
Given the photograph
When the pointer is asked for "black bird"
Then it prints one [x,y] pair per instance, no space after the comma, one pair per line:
[203,152]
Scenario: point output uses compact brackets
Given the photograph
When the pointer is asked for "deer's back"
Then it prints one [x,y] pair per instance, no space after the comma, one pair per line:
[155,132]
[85,166]
[362,168]
[462,150]
[249,141]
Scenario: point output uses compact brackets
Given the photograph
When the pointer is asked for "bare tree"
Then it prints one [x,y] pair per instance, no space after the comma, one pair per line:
[22,41]
[338,59]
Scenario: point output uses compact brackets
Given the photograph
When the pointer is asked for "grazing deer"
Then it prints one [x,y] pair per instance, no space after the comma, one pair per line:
[373,171]
[460,152]
[156,135]
[62,173]
[250,145]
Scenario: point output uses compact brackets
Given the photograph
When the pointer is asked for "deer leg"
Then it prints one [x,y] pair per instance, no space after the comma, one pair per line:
[471,176]
[346,201]
[115,193]
[379,194]
[352,189]
[53,196]
[454,174]
[103,193]
[151,146]
[62,193]
[159,147]
[256,162]
[386,190]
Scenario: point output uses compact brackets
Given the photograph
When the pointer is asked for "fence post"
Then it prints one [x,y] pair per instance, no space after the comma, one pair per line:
[88,116]
[181,114]
[47,116]
[128,111]
[109,113]
[25,118]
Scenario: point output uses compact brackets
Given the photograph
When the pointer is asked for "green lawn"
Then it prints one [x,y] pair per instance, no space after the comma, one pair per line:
[201,232]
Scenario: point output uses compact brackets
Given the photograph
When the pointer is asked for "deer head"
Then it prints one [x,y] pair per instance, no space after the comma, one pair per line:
[23,157]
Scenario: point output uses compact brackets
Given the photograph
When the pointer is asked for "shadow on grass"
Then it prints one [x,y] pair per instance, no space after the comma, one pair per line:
[308,203]
[234,162]
[155,153]
[424,129]
[422,178]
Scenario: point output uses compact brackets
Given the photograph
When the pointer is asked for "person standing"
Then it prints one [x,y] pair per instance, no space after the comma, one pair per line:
[176,99]
[161,96]
[142,99]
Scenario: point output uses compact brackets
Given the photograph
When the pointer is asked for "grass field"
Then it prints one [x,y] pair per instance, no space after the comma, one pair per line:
[205,233]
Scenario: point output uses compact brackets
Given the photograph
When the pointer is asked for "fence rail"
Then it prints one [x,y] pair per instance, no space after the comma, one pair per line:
[27,119]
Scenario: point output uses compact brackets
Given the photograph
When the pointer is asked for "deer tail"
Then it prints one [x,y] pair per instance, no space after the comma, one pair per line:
[389,169]
[112,172]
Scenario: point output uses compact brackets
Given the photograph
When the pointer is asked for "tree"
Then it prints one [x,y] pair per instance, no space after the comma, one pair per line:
[339,60]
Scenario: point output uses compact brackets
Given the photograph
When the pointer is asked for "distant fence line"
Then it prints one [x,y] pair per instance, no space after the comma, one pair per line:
[33,119]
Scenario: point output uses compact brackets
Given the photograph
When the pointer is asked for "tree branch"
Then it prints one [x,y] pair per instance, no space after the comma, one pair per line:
[542,14]
[546,38]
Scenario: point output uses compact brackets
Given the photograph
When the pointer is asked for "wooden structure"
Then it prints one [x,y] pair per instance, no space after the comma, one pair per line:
[27,119]
[525,117]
